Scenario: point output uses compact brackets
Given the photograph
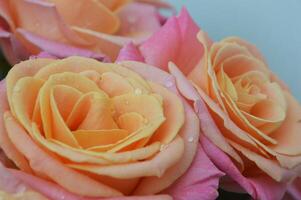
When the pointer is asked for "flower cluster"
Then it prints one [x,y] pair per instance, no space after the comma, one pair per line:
[112,100]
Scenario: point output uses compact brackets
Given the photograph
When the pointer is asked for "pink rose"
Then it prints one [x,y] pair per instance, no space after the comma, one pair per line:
[85,27]
[250,121]
[81,129]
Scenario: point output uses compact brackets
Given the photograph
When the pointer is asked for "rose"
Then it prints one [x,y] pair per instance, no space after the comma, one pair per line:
[101,130]
[252,116]
[87,27]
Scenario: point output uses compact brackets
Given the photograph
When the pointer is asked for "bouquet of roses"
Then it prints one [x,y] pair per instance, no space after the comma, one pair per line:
[111,99]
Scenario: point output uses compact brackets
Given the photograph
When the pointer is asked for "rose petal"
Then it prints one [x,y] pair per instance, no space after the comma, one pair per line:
[157,3]
[130,52]
[201,181]
[31,16]
[9,183]
[5,143]
[154,167]
[294,189]
[259,187]
[53,191]
[173,42]
[5,14]
[59,50]
[108,44]
[288,134]
[190,135]
[173,112]
[43,54]
[186,58]
[43,163]
[163,46]
[98,16]
[138,20]
[13,49]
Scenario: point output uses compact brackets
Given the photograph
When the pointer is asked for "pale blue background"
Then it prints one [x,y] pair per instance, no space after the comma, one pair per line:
[273,25]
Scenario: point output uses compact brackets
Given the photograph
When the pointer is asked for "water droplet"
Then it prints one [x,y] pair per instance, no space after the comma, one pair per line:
[169,83]
[163,147]
[138,91]
[190,139]
[145,121]
[21,189]
[131,19]
[17,89]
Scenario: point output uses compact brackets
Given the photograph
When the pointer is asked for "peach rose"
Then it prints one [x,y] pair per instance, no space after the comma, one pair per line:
[91,28]
[248,113]
[78,127]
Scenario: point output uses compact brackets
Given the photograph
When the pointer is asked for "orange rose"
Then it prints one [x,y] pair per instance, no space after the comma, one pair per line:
[96,129]
[256,114]
[82,27]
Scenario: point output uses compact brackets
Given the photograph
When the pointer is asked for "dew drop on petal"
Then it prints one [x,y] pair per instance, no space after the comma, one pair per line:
[190,139]
[138,91]
[131,19]
[169,83]
[145,121]
[17,89]
[163,147]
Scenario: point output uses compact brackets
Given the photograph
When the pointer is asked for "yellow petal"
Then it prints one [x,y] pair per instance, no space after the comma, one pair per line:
[173,112]
[65,98]
[91,138]
[89,14]
[114,84]
[77,81]
[23,69]
[144,132]
[73,64]
[131,121]
[288,135]
[154,167]
[99,115]
[24,96]
[43,163]
[81,109]
[82,156]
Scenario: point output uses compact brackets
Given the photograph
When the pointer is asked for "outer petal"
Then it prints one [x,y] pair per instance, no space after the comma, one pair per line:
[208,126]
[190,134]
[200,181]
[294,190]
[32,15]
[173,43]
[5,14]
[157,3]
[53,191]
[130,52]
[12,48]
[44,164]
[9,183]
[57,49]
[163,46]
[138,20]
[5,143]
[187,59]
[259,187]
